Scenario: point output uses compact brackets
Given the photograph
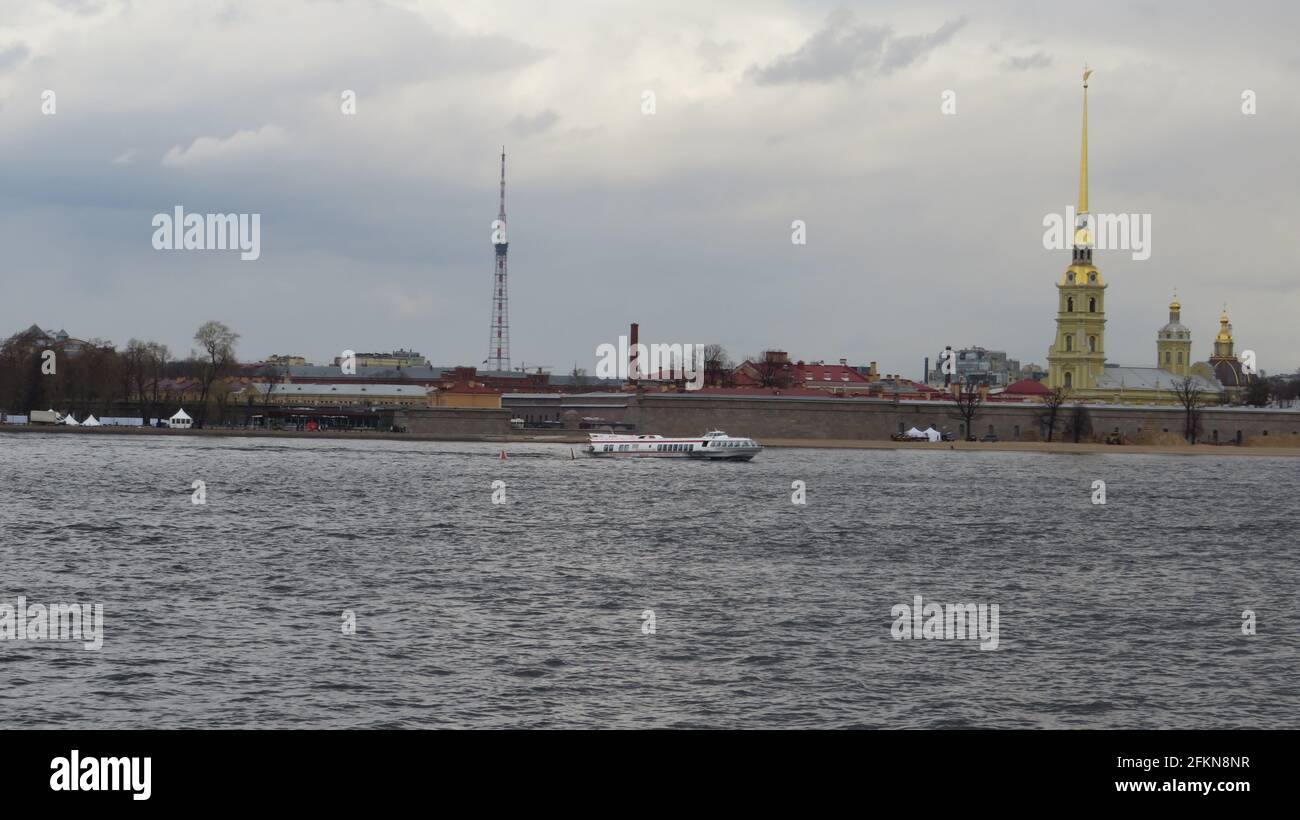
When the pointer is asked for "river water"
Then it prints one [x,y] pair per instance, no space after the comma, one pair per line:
[535,612]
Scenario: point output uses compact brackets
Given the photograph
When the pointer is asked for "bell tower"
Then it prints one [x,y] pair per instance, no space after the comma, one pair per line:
[1174,344]
[1078,354]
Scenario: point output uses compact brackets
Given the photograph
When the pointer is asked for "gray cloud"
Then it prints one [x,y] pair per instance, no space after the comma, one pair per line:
[525,126]
[1039,59]
[11,56]
[83,7]
[845,49]
[902,52]
[376,227]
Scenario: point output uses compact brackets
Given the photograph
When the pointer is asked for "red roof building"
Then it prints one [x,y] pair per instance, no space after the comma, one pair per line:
[1028,388]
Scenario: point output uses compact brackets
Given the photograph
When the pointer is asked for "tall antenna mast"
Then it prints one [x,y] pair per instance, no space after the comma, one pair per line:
[499,340]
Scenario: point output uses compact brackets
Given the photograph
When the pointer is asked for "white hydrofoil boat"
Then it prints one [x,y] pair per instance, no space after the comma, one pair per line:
[714,444]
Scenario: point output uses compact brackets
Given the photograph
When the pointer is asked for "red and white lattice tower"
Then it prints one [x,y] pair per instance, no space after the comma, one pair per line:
[499,342]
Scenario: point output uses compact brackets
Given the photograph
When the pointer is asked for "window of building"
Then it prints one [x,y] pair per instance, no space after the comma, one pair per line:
[1069,343]
[1092,304]
[1166,357]
[1092,344]
[1069,379]
[1069,305]
[1180,357]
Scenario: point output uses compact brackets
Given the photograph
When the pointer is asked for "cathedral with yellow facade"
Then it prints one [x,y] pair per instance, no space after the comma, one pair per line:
[1076,360]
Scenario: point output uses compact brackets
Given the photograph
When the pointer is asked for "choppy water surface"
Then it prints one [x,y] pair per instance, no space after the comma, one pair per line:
[528,613]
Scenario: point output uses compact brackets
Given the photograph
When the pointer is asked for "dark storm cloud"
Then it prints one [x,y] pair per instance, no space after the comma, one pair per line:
[845,49]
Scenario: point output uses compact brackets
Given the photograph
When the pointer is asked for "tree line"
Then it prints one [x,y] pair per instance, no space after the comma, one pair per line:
[101,379]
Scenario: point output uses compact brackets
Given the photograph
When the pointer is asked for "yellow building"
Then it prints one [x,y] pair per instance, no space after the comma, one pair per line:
[1076,359]
[286,361]
[395,359]
[1174,343]
[467,396]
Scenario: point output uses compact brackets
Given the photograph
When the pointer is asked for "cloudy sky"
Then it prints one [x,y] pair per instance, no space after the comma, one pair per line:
[922,229]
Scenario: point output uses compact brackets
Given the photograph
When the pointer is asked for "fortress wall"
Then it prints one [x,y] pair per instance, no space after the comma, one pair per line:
[675,414]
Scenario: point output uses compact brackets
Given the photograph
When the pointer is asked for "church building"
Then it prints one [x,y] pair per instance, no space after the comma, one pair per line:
[1076,359]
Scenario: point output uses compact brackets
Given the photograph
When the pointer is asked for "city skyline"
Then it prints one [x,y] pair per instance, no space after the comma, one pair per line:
[923,229]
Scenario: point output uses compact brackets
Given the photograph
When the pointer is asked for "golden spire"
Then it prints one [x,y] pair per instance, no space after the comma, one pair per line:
[1175,305]
[1083,161]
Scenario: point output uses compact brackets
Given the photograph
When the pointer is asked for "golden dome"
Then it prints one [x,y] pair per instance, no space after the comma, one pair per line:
[1225,329]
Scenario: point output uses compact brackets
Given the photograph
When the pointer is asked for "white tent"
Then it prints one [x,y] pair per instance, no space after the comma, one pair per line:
[71,420]
[91,421]
[933,434]
[914,433]
[180,421]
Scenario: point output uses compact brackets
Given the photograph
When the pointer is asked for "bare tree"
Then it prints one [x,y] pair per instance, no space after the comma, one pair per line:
[1080,423]
[1050,415]
[1192,398]
[156,357]
[968,407]
[216,358]
[270,373]
[772,369]
[718,369]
